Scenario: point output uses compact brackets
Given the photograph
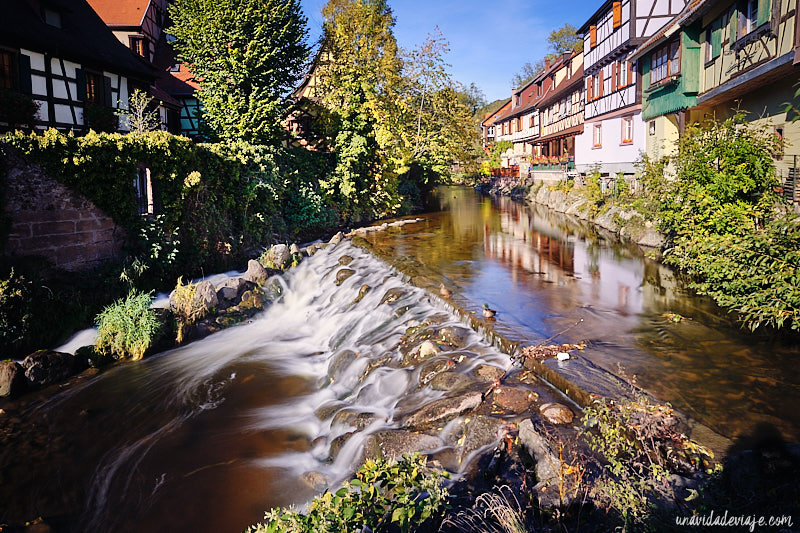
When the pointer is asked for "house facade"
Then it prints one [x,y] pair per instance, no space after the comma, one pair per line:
[488,128]
[61,55]
[614,130]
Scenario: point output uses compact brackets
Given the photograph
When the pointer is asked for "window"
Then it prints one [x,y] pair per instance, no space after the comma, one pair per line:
[709,55]
[140,46]
[51,17]
[597,136]
[748,17]
[651,127]
[7,70]
[530,122]
[175,68]
[665,62]
[593,36]
[94,88]
[617,10]
[627,130]
[143,187]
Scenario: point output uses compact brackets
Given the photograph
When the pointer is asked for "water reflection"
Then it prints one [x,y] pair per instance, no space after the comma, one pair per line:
[542,271]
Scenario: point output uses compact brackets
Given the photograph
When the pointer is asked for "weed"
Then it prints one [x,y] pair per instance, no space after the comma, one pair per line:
[127,328]
[187,308]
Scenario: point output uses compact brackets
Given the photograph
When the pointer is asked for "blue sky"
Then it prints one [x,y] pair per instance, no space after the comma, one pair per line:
[489,39]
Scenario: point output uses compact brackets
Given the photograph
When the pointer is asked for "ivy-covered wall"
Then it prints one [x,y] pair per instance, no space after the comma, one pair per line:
[218,200]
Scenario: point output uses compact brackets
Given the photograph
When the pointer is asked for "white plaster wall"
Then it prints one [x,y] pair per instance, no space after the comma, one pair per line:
[612,156]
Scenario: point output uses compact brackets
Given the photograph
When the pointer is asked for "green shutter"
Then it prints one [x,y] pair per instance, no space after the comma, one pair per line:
[80,83]
[733,25]
[716,37]
[763,12]
[25,82]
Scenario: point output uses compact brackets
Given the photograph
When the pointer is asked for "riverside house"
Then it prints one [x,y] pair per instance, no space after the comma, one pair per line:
[615,132]
[60,54]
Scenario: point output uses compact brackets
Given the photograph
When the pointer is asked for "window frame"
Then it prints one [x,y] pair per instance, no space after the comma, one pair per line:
[597,135]
[627,127]
[12,70]
[135,41]
[664,64]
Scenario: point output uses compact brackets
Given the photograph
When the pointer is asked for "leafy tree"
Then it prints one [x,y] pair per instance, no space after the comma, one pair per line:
[248,55]
[360,71]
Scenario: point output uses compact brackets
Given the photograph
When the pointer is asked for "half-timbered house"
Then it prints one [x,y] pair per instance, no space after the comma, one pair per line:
[62,55]
[670,69]
[614,129]
[488,127]
[561,112]
[139,25]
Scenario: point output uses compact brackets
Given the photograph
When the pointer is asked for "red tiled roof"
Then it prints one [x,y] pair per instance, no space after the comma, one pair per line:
[499,112]
[121,12]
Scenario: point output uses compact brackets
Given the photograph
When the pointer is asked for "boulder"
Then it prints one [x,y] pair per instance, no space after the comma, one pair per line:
[431,369]
[556,413]
[255,273]
[392,295]
[425,351]
[514,399]
[441,411]
[316,480]
[12,379]
[480,431]
[450,381]
[336,239]
[206,296]
[294,249]
[548,465]
[345,260]
[355,419]
[454,336]
[393,444]
[651,239]
[362,292]
[343,274]
[46,367]
[231,289]
[278,257]
[339,363]
[488,372]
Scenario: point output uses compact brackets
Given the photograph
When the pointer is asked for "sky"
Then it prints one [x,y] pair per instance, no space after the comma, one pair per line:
[490,40]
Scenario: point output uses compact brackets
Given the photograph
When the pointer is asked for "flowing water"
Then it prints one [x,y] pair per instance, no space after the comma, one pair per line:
[208,436]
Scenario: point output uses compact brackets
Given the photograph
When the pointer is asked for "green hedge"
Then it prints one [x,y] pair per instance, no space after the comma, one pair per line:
[218,200]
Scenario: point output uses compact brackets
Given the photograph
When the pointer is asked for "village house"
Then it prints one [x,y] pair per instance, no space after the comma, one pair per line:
[139,25]
[488,128]
[615,132]
[61,55]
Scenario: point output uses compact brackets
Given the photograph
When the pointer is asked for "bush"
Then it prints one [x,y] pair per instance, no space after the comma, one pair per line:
[16,313]
[187,309]
[17,109]
[404,493]
[127,328]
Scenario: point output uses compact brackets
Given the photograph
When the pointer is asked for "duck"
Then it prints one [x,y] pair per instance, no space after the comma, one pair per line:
[444,291]
[488,313]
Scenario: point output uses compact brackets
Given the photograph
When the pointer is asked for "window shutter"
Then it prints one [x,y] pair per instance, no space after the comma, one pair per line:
[763,12]
[600,85]
[80,82]
[107,92]
[593,36]
[734,23]
[617,14]
[25,84]
[716,38]
[614,70]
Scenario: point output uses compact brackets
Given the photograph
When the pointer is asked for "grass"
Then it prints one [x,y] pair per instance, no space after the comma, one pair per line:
[128,327]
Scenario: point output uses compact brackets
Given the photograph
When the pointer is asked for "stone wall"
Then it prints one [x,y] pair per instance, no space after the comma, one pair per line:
[50,220]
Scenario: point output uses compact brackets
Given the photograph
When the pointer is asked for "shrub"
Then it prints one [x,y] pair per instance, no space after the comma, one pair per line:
[16,313]
[187,309]
[127,328]
[17,109]
[100,118]
[404,493]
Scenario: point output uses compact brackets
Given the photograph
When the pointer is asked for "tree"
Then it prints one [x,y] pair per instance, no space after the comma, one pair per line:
[141,114]
[358,76]
[247,56]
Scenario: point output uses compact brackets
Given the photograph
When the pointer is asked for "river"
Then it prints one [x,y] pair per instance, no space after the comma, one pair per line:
[208,436]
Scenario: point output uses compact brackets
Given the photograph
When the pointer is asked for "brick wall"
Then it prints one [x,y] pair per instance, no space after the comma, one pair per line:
[50,220]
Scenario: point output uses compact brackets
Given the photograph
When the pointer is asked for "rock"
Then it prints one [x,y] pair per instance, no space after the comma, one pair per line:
[294,249]
[316,480]
[205,296]
[392,295]
[480,431]
[362,292]
[441,411]
[513,399]
[425,351]
[328,409]
[12,379]
[231,288]
[393,444]
[343,274]
[548,466]
[454,336]
[339,363]
[556,413]
[278,257]
[450,381]
[355,419]
[255,273]
[252,300]
[336,239]
[338,443]
[45,367]
[431,369]
[488,372]
[651,238]
[345,260]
